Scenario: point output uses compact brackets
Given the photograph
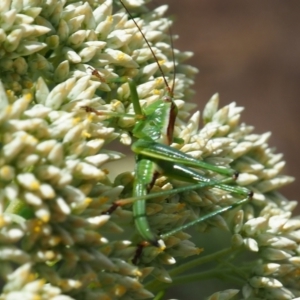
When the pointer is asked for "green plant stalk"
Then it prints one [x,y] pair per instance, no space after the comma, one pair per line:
[156,285]
[215,273]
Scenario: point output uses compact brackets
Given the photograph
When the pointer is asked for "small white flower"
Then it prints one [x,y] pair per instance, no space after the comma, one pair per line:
[57,235]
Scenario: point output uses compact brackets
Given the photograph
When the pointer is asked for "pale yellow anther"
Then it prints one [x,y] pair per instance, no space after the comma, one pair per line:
[120,290]
[31,277]
[116,104]
[86,134]
[10,93]
[5,171]
[27,138]
[2,221]
[156,92]
[90,117]
[137,273]
[161,246]
[159,81]
[40,283]
[37,229]
[76,120]
[28,97]
[88,200]
[55,240]
[110,18]
[35,185]
[8,110]
[32,139]
[45,218]
[162,61]
[121,57]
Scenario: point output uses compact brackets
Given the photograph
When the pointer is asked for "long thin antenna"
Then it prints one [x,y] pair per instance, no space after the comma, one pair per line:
[173,59]
[170,91]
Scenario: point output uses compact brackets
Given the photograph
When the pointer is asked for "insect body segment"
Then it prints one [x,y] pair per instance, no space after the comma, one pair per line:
[155,130]
[155,157]
[153,134]
[156,125]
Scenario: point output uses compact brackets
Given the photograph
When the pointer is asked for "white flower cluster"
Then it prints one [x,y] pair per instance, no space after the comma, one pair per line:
[263,226]
[57,57]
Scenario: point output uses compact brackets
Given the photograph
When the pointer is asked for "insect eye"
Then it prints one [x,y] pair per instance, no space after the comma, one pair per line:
[167,99]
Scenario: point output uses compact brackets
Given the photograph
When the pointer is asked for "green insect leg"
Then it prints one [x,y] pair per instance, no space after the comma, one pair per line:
[145,176]
[166,153]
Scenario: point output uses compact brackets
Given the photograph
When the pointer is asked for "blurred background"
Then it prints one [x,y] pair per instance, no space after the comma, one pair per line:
[249,52]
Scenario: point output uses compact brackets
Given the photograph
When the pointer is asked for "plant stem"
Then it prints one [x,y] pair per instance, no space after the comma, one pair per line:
[155,285]
[215,273]
[200,261]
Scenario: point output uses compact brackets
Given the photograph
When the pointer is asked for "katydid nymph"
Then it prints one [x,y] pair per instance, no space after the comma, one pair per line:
[153,134]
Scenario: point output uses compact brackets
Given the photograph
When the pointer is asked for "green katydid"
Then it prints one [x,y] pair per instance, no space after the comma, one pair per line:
[153,133]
